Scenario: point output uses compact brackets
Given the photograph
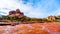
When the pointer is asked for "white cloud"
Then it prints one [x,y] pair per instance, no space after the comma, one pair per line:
[57,12]
[42,9]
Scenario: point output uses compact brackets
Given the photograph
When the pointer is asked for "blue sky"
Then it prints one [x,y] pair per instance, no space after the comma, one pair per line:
[31,8]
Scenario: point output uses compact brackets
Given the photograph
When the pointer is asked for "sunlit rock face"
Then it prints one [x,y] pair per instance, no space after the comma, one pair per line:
[51,18]
[37,28]
[16,13]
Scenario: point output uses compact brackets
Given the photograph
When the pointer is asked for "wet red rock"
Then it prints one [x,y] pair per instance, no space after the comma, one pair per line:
[37,28]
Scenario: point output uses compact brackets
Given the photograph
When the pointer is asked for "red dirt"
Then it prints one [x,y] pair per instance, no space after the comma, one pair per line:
[37,28]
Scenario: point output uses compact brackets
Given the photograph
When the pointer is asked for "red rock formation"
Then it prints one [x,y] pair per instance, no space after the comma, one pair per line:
[11,12]
[17,13]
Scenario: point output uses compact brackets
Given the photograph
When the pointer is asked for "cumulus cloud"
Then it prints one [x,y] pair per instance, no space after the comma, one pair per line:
[42,8]
[31,8]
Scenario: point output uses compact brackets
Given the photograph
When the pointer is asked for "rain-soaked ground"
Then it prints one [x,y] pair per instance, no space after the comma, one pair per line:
[36,28]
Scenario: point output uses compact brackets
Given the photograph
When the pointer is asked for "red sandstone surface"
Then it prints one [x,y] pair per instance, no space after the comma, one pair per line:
[36,28]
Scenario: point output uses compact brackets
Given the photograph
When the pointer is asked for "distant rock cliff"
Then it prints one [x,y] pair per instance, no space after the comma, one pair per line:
[16,13]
